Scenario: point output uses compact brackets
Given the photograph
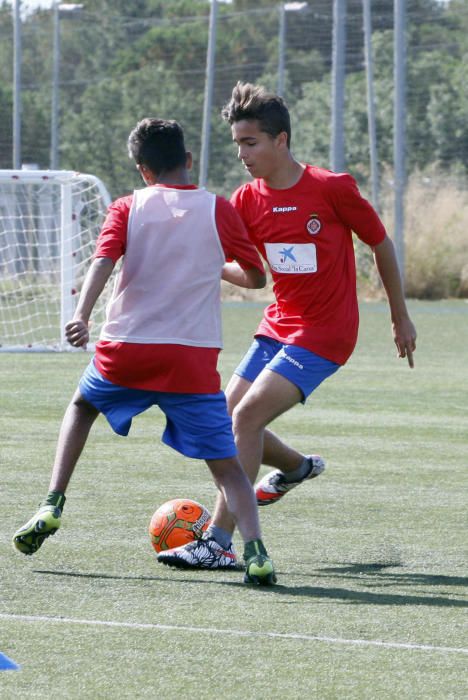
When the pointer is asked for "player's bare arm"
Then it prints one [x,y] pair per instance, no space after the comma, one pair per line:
[76,330]
[250,279]
[404,332]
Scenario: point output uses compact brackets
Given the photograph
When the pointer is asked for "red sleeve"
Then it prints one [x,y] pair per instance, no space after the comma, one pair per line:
[112,240]
[234,237]
[355,211]
[237,201]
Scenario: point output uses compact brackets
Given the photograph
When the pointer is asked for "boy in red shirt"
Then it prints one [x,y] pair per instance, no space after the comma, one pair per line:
[160,342]
[301,219]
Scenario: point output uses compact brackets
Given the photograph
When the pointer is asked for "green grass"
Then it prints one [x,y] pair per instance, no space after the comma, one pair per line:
[372,551]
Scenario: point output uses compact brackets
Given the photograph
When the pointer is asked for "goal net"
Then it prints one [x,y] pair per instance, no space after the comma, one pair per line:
[49,222]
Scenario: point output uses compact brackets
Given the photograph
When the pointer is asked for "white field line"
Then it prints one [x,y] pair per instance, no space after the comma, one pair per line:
[234,633]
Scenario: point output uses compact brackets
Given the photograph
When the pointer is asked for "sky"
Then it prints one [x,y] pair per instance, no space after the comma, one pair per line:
[33,4]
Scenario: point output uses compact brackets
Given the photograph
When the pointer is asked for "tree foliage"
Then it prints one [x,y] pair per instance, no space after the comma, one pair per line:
[121,61]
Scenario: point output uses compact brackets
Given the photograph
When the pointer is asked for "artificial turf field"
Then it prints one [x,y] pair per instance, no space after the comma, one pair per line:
[371,598]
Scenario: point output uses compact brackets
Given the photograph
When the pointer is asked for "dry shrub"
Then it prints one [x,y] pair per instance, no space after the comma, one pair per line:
[436,237]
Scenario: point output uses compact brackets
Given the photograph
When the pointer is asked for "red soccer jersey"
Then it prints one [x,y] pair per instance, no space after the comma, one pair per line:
[174,368]
[305,234]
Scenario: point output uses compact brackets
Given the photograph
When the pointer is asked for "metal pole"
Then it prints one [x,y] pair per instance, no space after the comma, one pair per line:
[399,133]
[17,85]
[67,299]
[337,150]
[371,103]
[209,80]
[281,48]
[54,121]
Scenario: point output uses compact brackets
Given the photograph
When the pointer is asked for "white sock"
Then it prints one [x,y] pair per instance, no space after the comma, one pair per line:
[221,536]
[299,473]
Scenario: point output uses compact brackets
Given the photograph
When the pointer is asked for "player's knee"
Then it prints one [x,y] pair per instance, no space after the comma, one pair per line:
[246,419]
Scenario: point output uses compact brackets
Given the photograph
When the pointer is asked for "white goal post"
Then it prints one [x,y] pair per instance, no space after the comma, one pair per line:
[49,222]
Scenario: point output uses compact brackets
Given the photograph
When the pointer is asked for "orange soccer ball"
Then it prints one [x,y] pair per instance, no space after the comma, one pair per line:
[178,522]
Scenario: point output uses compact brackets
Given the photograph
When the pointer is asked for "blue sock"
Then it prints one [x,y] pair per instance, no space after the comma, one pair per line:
[222,537]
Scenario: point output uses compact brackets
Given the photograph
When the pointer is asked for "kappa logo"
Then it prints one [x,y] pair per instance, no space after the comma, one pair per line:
[283,210]
[290,359]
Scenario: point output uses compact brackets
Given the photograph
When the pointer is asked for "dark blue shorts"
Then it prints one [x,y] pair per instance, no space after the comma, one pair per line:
[301,367]
[197,425]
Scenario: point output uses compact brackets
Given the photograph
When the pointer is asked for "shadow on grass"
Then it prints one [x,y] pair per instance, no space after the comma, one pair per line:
[345,595]
[354,597]
[379,570]
[160,579]
[377,574]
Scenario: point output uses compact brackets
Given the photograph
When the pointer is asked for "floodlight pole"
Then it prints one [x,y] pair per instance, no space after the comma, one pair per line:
[17,84]
[68,10]
[399,131]
[207,106]
[367,20]
[281,48]
[283,8]
[337,147]
[54,119]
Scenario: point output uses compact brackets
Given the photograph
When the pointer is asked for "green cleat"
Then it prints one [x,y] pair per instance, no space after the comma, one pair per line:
[259,569]
[45,522]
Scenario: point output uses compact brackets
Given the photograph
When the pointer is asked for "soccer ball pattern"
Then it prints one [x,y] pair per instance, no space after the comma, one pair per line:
[178,522]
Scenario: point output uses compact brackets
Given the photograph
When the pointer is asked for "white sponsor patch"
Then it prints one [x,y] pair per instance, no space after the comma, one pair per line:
[292,258]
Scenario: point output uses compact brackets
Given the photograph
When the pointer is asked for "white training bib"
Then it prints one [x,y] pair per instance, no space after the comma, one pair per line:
[168,288]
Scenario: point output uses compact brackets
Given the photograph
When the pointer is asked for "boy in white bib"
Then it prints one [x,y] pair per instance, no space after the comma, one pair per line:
[160,342]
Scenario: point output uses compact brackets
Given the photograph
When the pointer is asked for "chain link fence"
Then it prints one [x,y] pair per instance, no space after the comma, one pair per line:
[113,69]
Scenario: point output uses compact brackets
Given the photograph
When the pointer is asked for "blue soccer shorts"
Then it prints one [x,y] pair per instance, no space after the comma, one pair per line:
[301,367]
[197,425]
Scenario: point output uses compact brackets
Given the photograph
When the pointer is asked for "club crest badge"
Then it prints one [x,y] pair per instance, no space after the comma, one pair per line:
[314,225]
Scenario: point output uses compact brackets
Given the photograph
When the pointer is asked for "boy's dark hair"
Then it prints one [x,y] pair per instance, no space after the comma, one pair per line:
[253,102]
[158,144]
